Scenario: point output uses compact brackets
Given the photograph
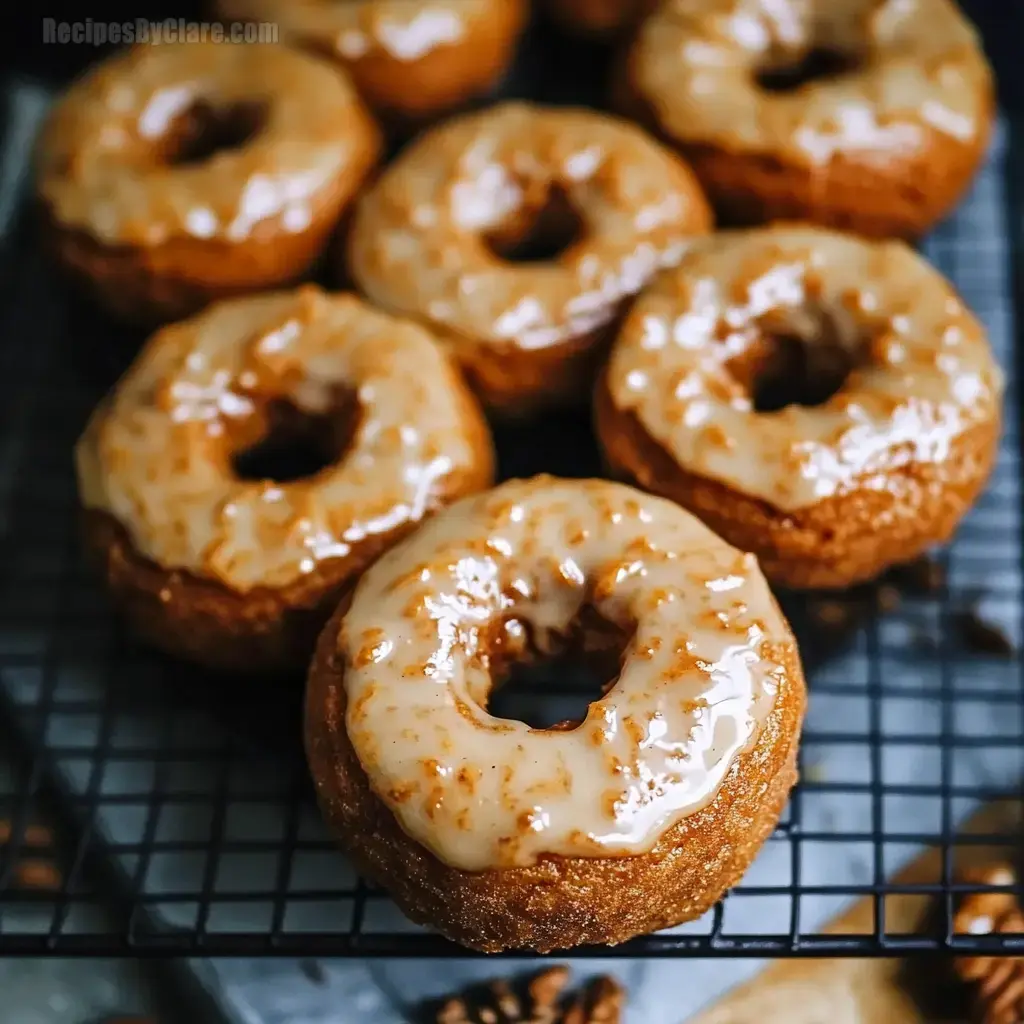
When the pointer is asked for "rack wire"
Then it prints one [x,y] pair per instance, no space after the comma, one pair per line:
[184,820]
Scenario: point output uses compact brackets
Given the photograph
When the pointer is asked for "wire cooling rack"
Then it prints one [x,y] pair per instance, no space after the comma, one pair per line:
[184,818]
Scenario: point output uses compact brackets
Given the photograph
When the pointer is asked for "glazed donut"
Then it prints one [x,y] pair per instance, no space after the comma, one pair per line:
[435,237]
[865,115]
[825,402]
[410,61]
[175,174]
[640,816]
[212,559]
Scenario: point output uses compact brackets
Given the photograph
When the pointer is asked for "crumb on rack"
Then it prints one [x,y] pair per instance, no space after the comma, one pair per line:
[981,637]
[924,577]
[888,598]
[313,969]
[33,869]
[845,611]
[832,613]
[32,836]
[34,875]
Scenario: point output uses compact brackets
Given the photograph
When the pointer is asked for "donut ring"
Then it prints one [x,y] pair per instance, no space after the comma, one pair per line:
[425,241]
[240,573]
[502,836]
[410,62]
[824,402]
[134,209]
[861,115]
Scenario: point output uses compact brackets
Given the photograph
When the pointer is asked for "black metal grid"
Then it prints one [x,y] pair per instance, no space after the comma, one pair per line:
[186,816]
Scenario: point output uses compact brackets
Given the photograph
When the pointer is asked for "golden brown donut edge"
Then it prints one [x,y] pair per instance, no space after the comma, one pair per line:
[560,902]
[833,544]
[265,631]
[147,286]
[904,196]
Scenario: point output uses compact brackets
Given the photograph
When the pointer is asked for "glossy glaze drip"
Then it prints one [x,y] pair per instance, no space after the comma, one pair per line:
[418,244]
[157,455]
[919,69]
[405,30]
[924,372]
[699,675]
[100,166]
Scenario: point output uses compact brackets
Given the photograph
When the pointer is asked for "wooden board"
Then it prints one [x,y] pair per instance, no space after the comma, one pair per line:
[879,991]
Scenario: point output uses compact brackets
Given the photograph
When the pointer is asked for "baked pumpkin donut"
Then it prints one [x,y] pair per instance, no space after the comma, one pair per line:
[640,816]
[256,458]
[862,115]
[411,60]
[825,402]
[517,234]
[175,174]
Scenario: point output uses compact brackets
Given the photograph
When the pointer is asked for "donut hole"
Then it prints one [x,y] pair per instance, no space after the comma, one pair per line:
[784,369]
[202,130]
[538,232]
[548,682]
[816,65]
[296,444]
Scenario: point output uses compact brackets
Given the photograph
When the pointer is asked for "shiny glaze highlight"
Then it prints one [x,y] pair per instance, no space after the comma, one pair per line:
[924,373]
[497,572]
[101,166]
[418,244]
[919,69]
[157,454]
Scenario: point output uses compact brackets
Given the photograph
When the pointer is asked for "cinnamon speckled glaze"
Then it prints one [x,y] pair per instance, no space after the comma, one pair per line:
[882,144]
[426,239]
[240,573]
[155,234]
[507,836]
[411,60]
[837,490]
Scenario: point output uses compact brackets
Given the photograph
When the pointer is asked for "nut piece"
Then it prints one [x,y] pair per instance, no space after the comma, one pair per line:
[34,872]
[998,981]
[502,1002]
[33,836]
[545,990]
[600,1003]
[37,876]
